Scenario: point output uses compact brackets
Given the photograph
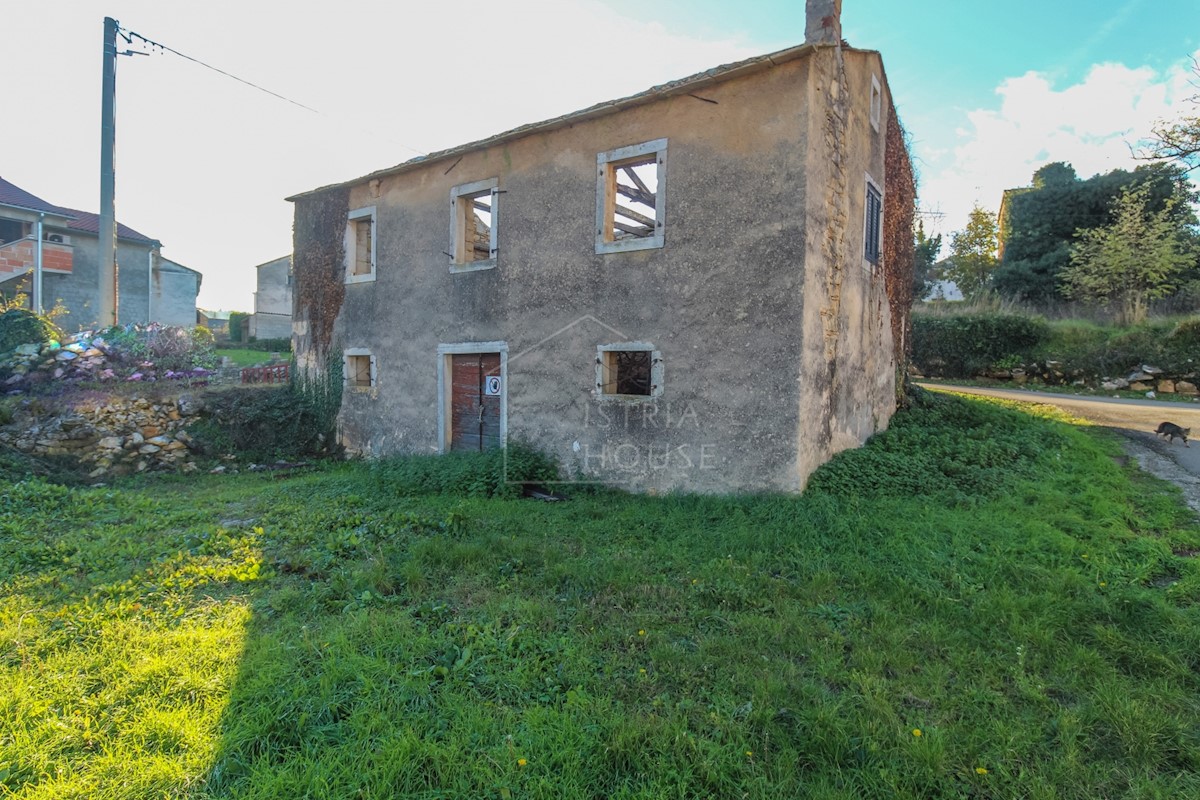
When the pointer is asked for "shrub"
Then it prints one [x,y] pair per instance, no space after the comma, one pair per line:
[963,346]
[20,326]
[492,473]
[262,423]
[280,345]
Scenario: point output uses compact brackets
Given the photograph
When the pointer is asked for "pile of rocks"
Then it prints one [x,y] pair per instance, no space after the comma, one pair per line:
[117,435]
[1151,379]
[82,357]
[1144,378]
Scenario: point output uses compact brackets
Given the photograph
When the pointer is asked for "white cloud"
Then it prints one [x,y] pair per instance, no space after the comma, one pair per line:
[1091,124]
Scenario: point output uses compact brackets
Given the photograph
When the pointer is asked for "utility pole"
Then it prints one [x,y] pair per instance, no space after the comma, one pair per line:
[107,309]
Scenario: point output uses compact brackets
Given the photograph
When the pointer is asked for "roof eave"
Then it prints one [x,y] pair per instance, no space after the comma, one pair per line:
[670,89]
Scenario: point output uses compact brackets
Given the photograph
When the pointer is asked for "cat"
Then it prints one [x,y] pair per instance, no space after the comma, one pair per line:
[1171,430]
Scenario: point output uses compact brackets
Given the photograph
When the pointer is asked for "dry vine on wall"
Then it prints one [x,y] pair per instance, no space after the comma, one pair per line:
[899,210]
[318,265]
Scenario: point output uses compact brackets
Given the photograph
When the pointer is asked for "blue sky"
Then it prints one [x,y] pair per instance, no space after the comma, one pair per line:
[988,91]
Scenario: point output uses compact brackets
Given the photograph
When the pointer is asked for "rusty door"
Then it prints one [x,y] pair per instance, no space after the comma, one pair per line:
[475,401]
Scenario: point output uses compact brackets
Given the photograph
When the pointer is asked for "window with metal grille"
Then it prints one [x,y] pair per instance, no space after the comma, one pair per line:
[631,197]
[874,224]
[628,370]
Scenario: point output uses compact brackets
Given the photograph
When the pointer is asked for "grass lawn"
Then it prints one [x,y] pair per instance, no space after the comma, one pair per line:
[240,357]
[981,604]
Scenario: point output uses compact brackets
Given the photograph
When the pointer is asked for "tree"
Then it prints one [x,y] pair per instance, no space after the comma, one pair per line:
[1039,224]
[1132,261]
[973,254]
[1177,141]
[925,253]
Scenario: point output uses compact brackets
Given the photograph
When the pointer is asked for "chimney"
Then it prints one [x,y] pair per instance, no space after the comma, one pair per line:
[824,22]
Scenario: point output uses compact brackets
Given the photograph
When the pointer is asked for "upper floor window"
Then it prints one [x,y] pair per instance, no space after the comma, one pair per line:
[873,224]
[360,245]
[876,102]
[631,197]
[474,214]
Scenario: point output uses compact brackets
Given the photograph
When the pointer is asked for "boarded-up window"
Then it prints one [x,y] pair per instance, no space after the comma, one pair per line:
[360,245]
[360,369]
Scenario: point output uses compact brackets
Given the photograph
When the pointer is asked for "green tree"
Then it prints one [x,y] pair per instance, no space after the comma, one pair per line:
[973,254]
[1038,223]
[1132,261]
[925,253]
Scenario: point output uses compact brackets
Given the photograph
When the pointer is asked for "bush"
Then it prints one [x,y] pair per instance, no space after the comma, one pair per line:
[963,346]
[20,326]
[280,345]
[492,473]
[262,423]
[170,348]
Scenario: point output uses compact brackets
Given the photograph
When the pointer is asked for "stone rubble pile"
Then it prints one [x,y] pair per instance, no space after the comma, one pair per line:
[82,357]
[118,436]
[1143,378]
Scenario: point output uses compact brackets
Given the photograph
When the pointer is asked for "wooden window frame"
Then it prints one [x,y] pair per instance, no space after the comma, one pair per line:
[607,165]
[461,213]
[876,107]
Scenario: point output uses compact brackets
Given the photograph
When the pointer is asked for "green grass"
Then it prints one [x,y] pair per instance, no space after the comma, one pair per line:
[240,357]
[995,580]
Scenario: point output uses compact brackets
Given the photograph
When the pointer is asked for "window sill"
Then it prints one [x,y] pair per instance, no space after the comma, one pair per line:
[627,245]
[368,278]
[627,398]
[473,266]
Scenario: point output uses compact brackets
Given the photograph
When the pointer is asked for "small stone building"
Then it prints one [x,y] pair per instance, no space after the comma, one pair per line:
[685,289]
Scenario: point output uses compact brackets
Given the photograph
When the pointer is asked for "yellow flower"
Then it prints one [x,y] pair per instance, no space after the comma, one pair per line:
[1084,555]
[749,753]
[521,762]
[916,731]
[1103,584]
[642,671]
[981,771]
[641,632]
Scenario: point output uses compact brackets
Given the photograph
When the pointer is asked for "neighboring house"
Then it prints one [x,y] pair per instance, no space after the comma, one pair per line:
[216,321]
[151,288]
[272,317]
[543,285]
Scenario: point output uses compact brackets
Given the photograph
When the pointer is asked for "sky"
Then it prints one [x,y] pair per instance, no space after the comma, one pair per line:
[988,92]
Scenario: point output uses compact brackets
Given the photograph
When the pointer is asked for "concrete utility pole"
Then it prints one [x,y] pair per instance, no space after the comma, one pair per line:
[107,309]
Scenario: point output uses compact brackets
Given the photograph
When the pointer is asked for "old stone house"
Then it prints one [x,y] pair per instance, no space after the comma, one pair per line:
[152,288]
[686,289]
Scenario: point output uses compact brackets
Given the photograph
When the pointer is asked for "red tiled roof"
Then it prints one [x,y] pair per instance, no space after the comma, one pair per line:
[90,223]
[83,221]
[12,195]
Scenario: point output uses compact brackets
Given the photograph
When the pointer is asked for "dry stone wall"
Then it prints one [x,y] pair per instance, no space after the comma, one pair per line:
[113,435]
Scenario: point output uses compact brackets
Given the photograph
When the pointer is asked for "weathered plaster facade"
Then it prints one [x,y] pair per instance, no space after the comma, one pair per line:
[151,288]
[770,331]
[272,317]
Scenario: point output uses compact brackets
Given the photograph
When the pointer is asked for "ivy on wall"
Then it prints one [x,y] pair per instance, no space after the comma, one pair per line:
[318,266]
[899,209]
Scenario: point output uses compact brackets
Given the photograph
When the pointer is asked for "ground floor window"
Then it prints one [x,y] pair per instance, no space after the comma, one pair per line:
[359,369]
[628,370]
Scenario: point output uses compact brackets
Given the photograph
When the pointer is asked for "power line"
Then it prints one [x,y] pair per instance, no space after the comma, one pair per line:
[128,36]
[160,46]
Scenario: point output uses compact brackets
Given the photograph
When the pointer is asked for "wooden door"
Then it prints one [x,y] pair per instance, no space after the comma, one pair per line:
[475,401]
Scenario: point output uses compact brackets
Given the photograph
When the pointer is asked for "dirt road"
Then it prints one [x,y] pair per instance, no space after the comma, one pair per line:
[1135,420]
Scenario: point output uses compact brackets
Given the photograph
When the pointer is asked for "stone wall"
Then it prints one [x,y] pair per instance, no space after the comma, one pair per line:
[112,435]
